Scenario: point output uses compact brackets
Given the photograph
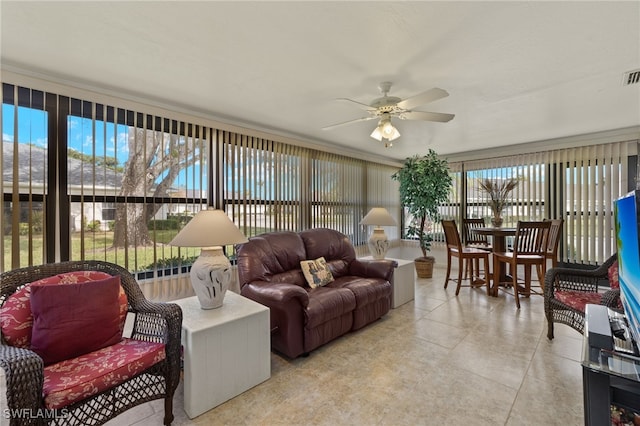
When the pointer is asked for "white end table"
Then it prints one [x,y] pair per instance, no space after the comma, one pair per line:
[403,282]
[226,350]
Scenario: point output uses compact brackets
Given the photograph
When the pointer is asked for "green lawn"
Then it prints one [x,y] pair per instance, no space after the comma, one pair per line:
[98,246]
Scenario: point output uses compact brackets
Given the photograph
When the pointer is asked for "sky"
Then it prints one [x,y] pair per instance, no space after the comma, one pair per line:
[110,139]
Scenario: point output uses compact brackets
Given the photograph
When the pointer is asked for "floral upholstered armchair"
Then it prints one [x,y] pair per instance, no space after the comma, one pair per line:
[62,347]
[567,291]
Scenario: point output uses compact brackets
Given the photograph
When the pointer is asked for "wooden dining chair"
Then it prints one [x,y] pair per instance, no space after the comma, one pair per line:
[455,249]
[551,253]
[529,248]
[474,240]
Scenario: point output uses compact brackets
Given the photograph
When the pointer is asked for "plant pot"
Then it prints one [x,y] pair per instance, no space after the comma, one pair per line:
[424,266]
[496,221]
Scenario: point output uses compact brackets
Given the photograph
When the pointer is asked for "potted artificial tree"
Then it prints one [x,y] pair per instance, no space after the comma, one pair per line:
[424,184]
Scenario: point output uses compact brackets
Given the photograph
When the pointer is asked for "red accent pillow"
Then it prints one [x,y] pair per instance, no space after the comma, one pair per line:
[16,320]
[74,319]
[612,272]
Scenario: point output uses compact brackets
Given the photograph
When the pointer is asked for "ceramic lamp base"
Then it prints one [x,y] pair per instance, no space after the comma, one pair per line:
[378,243]
[211,277]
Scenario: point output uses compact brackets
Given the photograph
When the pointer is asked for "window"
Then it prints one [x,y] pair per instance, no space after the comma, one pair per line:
[151,170]
[108,212]
[123,182]
[24,167]
[577,185]
[120,187]
[270,186]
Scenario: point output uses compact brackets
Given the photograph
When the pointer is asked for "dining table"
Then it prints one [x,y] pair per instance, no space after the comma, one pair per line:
[499,244]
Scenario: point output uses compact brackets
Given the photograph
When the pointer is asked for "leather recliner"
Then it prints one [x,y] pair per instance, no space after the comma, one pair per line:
[304,318]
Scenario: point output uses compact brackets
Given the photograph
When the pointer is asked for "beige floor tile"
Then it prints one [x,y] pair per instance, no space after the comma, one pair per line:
[440,333]
[556,370]
[541,403]
[492,363]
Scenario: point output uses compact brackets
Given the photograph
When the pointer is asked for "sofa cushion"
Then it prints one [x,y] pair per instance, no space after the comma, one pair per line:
[316,272]
[332,245]
[74,319]
[270,254]
[366,290]
[78,378]
[290,277]
[16,319]
[327,303]
[578,299]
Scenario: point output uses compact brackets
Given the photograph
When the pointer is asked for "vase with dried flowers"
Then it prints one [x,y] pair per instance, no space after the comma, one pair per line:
[498,191]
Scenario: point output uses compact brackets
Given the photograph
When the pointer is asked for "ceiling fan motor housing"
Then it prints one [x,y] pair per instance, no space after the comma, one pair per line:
[386,104]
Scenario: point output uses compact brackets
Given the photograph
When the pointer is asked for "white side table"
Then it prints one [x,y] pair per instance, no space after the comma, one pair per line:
[404,281]
[226,350]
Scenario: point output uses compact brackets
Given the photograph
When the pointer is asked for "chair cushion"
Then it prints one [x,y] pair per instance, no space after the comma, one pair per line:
[578,299]
[78,378]
[74,319]
[612,273]
[16,319]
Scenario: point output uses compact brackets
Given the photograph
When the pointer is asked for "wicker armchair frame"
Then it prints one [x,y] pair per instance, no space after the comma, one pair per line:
[568,279]
[153,322]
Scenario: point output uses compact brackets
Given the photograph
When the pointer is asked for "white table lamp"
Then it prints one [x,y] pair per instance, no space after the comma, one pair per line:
[210,275]
[378,242]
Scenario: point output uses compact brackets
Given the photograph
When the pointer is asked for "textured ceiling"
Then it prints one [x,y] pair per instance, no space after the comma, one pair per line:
[516,72]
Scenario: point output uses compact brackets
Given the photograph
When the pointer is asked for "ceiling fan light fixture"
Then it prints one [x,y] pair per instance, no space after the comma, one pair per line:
[377,134]
[385,129]
[389,132]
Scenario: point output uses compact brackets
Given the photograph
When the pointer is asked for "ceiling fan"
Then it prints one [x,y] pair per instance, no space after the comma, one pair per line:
[386,107]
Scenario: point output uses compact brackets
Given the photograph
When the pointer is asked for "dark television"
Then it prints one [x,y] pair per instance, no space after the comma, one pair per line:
[627,222]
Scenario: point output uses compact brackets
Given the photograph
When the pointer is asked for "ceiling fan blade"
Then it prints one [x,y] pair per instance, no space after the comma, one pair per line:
[333,126]
[423,98]
[358,104]
[427,116]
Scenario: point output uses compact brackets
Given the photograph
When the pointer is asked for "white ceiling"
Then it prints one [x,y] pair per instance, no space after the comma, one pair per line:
[516,72]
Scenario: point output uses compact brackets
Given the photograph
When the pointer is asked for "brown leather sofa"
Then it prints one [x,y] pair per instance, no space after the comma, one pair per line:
[304,318]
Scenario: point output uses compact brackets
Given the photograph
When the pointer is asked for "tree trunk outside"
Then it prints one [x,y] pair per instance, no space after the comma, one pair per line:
[155,160]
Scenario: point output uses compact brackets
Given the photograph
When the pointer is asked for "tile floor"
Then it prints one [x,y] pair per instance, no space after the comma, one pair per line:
[440,359]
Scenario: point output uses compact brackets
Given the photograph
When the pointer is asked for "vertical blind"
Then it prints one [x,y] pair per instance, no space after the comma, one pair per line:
[577,185]
[587,181]
[452,208]
[262,179]
[133,180]
[66,167]
[83,180]
[24,166]
[271,186]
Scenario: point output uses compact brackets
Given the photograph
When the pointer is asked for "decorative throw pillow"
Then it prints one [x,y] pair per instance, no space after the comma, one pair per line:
[16,319]
[316,272]
[74,319]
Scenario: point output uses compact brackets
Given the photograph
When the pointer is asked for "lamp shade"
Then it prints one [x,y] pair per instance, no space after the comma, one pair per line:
[211,271]
[378,216]
[209,228]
